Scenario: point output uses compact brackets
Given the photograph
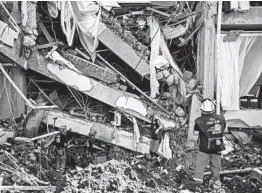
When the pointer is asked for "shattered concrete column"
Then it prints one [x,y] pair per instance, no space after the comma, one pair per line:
[206,50]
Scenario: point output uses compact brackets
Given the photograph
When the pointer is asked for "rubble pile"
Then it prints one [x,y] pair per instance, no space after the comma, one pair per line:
[243,156]
[112,176]
[95,91]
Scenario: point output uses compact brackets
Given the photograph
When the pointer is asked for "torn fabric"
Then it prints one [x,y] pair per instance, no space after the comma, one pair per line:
[87,16]
[136,133]
[164,148]
[54,7]
[68,22]
[155,45]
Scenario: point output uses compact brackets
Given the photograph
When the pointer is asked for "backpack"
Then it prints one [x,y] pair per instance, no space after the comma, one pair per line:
[215,138]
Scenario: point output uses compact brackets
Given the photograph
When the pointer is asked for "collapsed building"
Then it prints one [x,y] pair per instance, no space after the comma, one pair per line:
[106,68]
[105,82]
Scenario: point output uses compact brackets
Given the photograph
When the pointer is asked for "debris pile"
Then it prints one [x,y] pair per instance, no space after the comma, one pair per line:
[94,93]
[112,176]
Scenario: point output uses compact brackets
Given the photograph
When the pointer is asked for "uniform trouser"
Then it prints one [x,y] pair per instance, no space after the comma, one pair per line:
[154,146]
[60,159]
[201,162]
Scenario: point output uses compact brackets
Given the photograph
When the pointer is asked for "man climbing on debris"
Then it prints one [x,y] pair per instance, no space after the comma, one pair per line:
[210,127]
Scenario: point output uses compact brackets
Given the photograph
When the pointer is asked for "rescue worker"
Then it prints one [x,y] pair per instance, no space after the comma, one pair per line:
[60,151]
[91,149]
[210,128]
[156,136]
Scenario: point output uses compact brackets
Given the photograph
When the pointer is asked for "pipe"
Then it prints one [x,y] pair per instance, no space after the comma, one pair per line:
[45,135]
[29,103]
[237,171]
[218,93]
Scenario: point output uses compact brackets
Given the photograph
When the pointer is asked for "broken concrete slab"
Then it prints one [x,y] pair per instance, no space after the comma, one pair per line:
[124,51]
[113,97]
[105,133]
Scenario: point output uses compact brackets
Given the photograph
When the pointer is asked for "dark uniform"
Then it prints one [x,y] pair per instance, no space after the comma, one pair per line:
[60,151]
[155,137]
[211,129]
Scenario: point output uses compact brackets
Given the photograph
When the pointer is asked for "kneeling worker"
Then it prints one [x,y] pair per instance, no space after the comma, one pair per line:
[210,127]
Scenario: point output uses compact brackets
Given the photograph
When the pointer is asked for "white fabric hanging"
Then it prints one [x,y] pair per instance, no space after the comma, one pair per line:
[68,22]
[155,47]
[83,16]
[164,148]
[137,135]
[240,69]
[252,67]
[229,74]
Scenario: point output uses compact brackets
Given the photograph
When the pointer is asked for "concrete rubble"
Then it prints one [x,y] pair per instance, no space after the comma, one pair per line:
[101,82]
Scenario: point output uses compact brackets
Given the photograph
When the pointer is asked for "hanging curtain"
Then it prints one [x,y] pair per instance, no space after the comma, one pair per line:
[240,69]
[252,67]
[229,77]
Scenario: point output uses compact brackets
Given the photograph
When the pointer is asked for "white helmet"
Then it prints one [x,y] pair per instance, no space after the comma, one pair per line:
[207,106]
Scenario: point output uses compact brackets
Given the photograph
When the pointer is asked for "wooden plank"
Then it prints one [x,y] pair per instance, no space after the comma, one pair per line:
[105,133]
[49,45]
[27,188]
[157,11]
[46,33]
